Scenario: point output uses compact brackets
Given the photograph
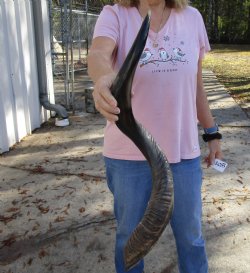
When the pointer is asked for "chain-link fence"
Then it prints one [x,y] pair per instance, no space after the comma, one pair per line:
[71,32]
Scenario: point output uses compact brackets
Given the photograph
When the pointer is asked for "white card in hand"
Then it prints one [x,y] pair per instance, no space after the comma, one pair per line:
[219,165]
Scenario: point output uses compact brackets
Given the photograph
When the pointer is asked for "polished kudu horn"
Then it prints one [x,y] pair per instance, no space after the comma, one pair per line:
[158,211]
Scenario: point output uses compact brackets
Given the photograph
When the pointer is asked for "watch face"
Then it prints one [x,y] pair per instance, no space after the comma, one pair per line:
[211,130]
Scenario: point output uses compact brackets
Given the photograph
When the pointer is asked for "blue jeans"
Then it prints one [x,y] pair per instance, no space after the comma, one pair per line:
[130,183]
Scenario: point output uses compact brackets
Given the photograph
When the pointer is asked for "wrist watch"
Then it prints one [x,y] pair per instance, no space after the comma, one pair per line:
[211,130]
[211,133]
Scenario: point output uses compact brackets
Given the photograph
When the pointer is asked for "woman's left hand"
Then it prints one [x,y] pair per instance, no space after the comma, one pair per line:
[214,152]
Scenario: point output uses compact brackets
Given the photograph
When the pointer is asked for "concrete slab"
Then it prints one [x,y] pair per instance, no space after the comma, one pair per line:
[225,110]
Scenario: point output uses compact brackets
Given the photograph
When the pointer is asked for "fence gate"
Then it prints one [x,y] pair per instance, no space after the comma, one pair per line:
[69,42]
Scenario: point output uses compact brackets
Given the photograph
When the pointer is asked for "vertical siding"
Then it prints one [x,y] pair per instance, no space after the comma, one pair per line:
[8,133]
[20,110]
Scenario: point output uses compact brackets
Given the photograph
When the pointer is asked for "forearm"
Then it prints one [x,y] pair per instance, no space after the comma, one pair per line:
[206,119]
[98,65]
[203,110]
[100,69]
[100,59]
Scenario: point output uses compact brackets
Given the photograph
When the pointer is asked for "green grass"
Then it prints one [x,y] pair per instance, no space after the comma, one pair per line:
[231,64]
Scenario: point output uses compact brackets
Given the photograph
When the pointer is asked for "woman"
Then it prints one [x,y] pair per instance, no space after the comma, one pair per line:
[167,98]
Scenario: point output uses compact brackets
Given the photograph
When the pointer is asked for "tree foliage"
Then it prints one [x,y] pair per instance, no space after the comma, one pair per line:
[227,21]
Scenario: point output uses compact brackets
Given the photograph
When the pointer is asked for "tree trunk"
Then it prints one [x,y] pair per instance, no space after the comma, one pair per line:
[248,28]
[216,21]
[210,18]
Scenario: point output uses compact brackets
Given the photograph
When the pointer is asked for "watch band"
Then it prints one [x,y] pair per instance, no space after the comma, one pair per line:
[211,130]
[209,137]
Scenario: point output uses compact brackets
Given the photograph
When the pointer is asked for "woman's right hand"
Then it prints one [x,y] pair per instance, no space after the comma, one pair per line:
[105,103]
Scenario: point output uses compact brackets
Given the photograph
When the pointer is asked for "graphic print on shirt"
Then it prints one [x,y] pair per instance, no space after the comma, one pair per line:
[146,56]
[167,52]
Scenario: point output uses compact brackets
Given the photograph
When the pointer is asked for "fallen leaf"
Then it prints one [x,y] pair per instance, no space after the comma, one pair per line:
[59,219]
[82,209]
[42,209]
[43,253]
[66,211]
[8,242]
[7,219]
[30,261]
[66,186]
[14,202]
[35,228]
[38,169]
[13,209]
[101,257]
[39,201]
[60,196]
[23,192]
[215,200]
[105,213]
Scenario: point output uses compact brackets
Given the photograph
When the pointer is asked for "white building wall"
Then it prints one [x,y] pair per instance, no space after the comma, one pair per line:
[20,110]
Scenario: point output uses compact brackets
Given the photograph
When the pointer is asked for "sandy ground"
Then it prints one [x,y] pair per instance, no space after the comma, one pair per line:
[56,211]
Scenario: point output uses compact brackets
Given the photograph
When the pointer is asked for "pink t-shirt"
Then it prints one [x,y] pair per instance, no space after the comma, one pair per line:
[164,86]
